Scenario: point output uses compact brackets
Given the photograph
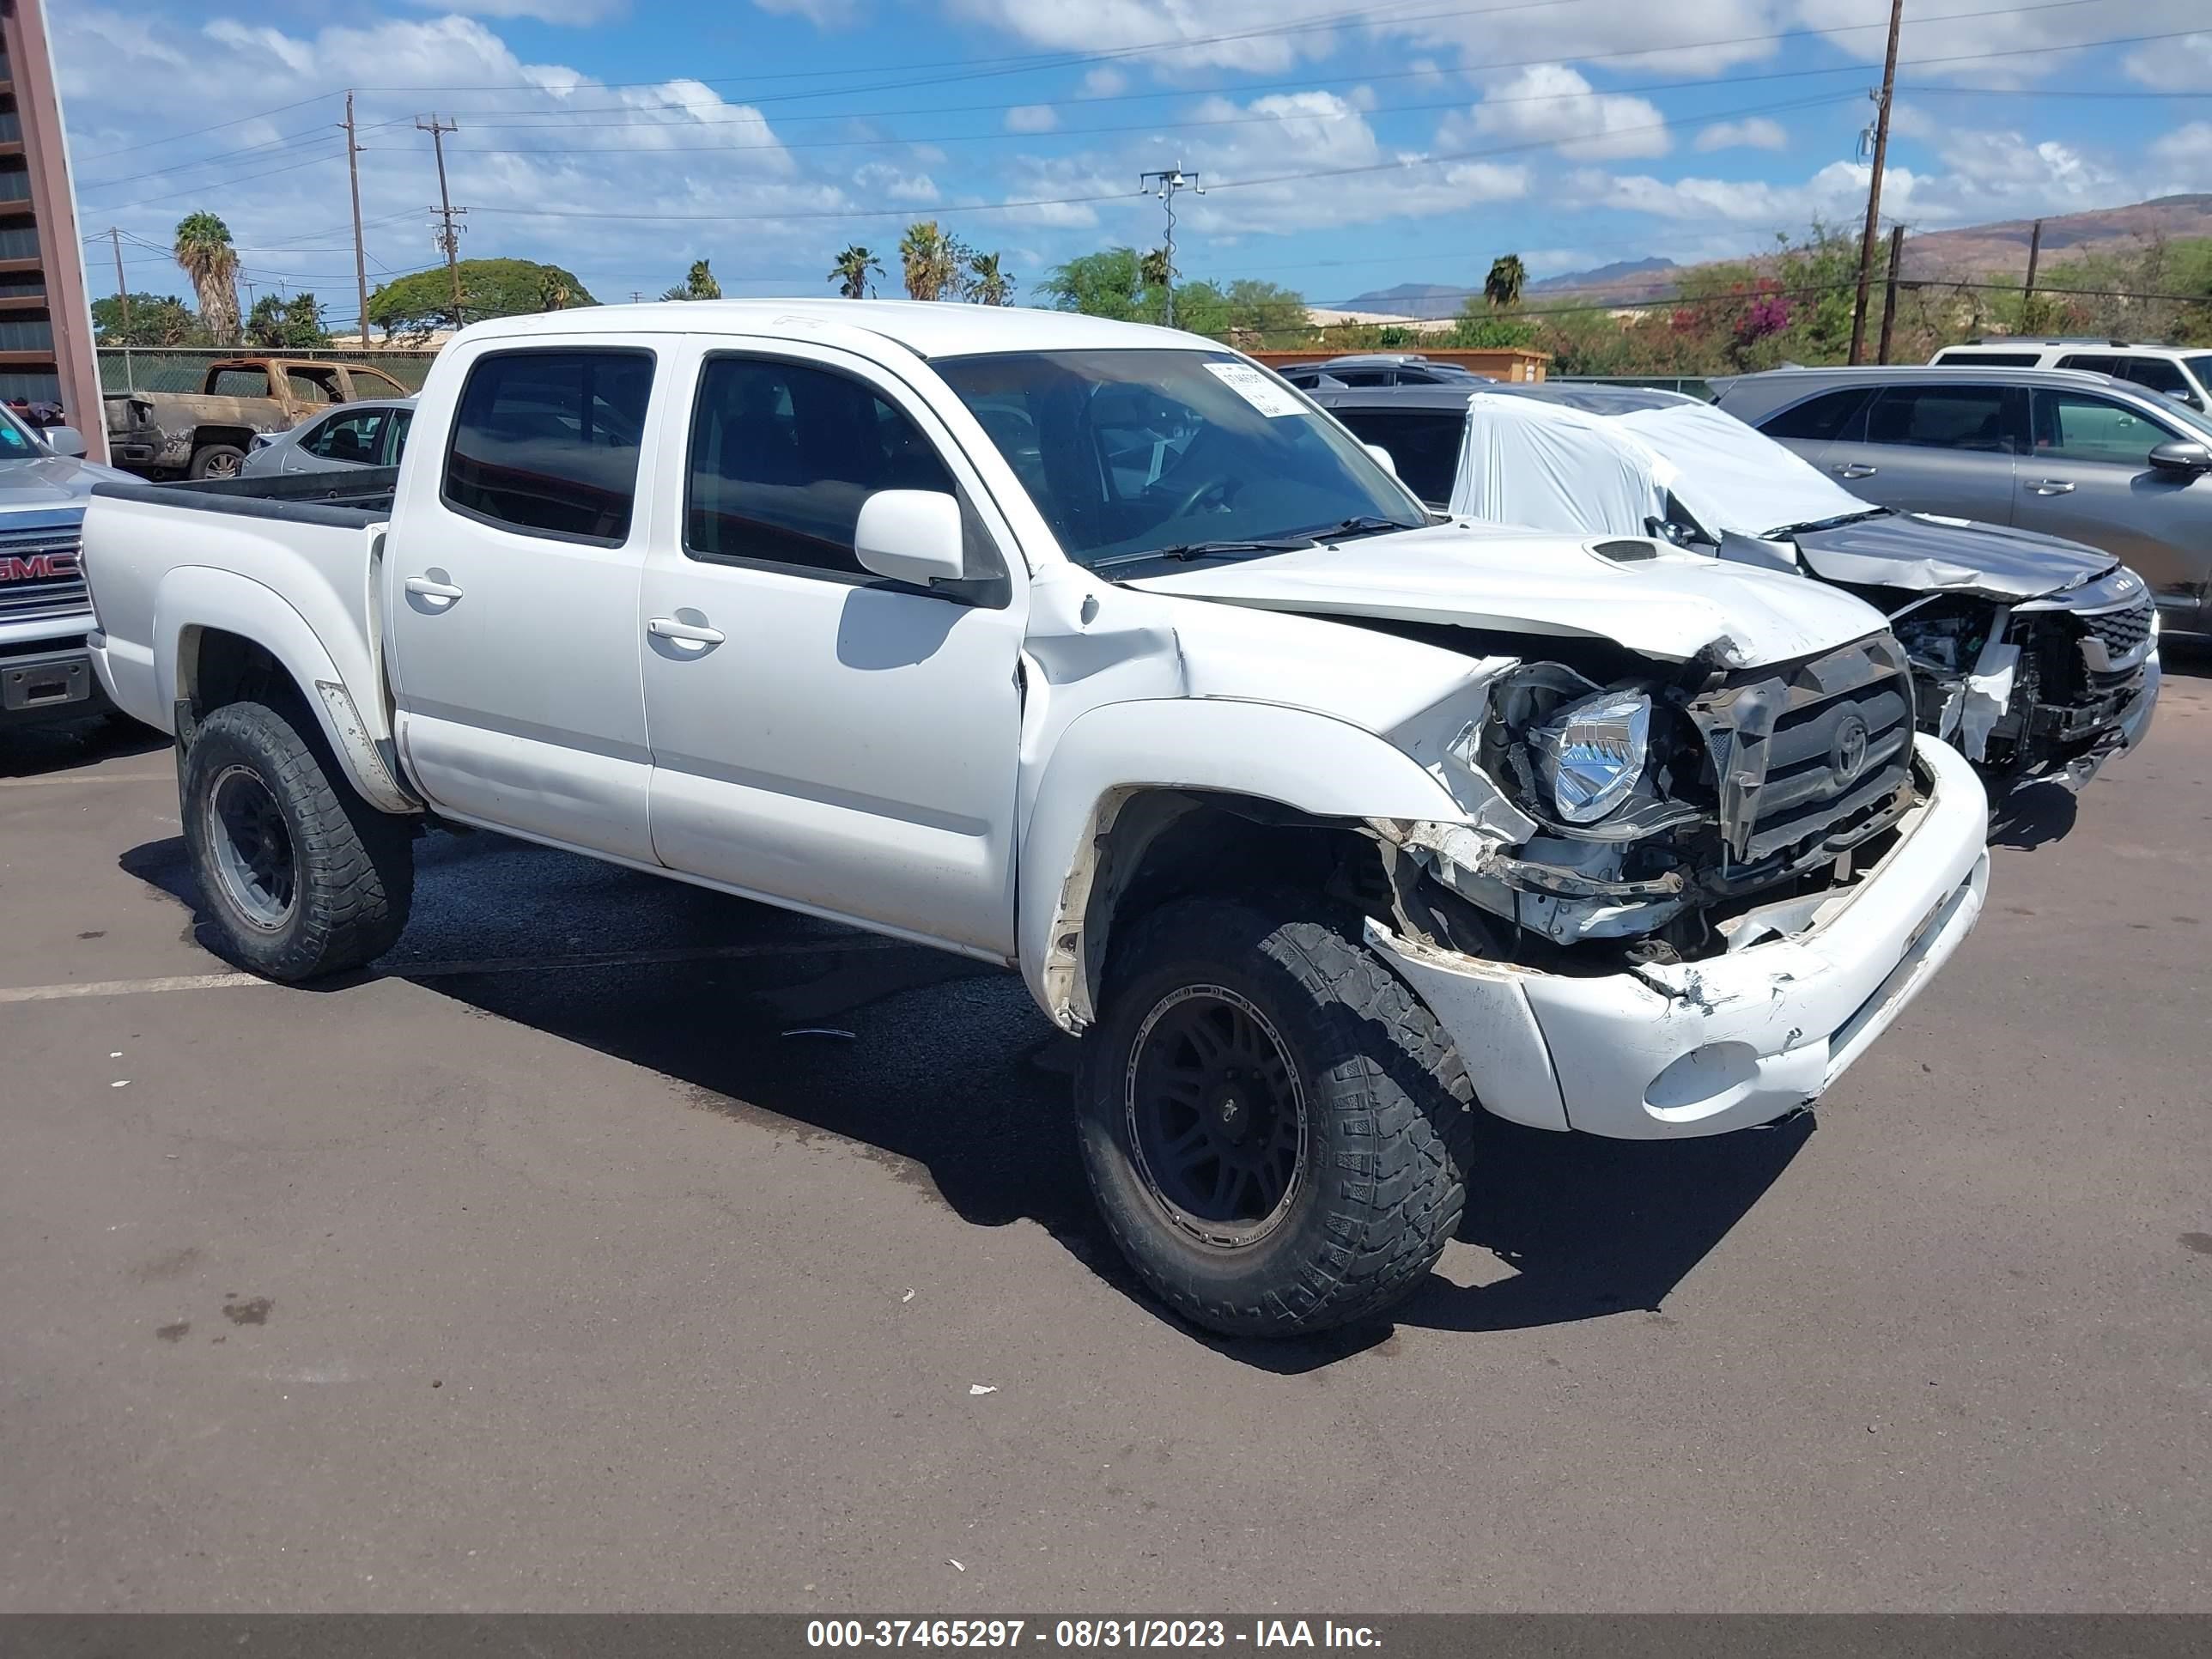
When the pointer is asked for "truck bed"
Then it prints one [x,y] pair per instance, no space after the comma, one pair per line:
[352,498]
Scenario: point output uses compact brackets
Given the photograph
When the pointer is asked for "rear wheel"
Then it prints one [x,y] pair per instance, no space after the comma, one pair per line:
[217,461]
[1276,1132]
[301,877]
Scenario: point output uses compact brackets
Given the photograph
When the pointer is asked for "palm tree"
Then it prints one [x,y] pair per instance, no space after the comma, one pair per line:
[852,270]
[1153,270]
[1502,288]
[928,260]
[698,283]
[204,253]
[986,284]
[552,291]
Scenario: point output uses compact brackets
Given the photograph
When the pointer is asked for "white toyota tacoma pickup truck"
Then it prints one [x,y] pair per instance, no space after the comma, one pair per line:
[1099,652]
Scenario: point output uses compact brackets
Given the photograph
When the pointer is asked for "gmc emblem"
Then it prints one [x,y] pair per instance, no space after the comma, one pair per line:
[37,567]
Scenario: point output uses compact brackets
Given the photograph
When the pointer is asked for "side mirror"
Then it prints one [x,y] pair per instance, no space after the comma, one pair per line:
[65,440]
[911,536]
[2182,455]
[1382,458]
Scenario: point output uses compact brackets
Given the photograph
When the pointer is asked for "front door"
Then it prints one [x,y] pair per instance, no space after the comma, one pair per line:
[1944,448]
[2089,479]
[513,570]
[823,738]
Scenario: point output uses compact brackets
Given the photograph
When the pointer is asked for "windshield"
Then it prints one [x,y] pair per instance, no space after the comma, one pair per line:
[1128,454]
[16,444]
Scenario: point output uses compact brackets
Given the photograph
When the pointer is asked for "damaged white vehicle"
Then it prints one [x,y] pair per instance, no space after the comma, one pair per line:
[2037,657]
[1097,652]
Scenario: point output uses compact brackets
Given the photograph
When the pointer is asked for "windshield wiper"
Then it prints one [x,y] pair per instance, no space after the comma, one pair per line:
[1220,550]
[1367,524]
[1836,523]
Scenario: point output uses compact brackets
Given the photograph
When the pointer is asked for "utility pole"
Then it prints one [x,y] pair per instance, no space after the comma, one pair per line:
[359,255]
[1164,186]
[1874,184]
[1889,292]
[2027,287]
[448,237]
[122,292]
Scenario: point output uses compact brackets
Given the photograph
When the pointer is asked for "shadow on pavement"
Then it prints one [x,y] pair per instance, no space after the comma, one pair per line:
[943,1069]
[33,751]
[2033,815]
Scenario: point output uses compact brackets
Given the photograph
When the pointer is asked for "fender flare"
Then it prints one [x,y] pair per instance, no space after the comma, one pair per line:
[1311,763]
[193,598]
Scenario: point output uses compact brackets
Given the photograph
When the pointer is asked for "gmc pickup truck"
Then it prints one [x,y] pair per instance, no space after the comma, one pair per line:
[1101,653]
[45,672]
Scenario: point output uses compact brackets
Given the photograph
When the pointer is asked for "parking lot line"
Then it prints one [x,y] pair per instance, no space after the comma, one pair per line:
[119,988]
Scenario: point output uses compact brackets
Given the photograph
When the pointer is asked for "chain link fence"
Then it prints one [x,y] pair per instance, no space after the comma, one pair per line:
[184,368]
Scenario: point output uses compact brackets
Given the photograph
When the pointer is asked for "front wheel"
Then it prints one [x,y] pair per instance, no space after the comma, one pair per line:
[301,877]
[1275,1129]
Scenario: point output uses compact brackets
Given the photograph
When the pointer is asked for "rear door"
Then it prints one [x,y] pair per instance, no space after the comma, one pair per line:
[2089,479]
[352,438]
[1935,448]
[513,569]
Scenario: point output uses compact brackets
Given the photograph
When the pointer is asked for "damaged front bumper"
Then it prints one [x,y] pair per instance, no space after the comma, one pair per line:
[1741,1038]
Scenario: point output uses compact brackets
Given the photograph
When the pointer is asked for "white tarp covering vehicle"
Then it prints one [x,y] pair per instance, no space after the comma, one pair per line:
[2036,656]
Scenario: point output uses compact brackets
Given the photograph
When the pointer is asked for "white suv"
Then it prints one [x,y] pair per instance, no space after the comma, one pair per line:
[2182,372]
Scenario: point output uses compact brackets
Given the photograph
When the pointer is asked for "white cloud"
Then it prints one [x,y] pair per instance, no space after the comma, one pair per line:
[2189,151]
[1032,118]
[1105,81]
[823,14]
[880,178]
[1969,35]
[1553,104]
[573,13]
[1755,133]
[2183,65]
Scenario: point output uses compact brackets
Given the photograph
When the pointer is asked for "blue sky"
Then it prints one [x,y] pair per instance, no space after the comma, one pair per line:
[1345,146]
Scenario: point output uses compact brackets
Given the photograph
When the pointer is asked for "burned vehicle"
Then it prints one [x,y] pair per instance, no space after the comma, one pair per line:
[206,433]
[2037,657]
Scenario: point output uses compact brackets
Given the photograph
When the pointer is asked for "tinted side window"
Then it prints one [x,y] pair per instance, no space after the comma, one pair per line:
[2091,362]
[782,455]
[1817,419]
[349,437]
[2073,426]
[546,442]
[1968,417]
[2159,374]
[1360,376]
[1990,359]
[1425,444]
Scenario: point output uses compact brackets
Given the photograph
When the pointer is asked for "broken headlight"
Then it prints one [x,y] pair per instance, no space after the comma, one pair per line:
[1589,755]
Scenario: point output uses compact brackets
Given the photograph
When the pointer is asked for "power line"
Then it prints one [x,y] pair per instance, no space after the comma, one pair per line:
[223,183]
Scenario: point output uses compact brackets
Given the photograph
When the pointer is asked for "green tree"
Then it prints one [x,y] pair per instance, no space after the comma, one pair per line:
[853,271]
[1508,277]
[987,284]
[698,284]
[1107,283]
[204,253]
[933,263]
[553,289]
[156,319]
[277,323]
[415,304]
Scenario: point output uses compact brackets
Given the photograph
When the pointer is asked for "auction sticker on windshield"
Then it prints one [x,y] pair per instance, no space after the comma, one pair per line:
[1257,389]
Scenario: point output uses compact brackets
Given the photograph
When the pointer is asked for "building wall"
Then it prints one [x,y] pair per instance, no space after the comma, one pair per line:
[46,324]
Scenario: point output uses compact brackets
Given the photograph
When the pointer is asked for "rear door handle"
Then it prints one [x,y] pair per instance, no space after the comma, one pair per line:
[432,590]
[2051,487]
[667,628]
[1856,470]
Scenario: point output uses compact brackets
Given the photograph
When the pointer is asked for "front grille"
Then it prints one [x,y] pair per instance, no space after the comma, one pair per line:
[1811,759]
[2116,641]
[40,576]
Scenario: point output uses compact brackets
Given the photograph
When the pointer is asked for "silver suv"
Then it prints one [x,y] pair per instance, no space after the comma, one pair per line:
[2061,452]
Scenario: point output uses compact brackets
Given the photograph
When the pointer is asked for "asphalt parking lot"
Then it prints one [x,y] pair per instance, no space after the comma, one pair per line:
[619,1247]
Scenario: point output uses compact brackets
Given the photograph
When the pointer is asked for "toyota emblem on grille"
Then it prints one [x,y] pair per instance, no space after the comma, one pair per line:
[1847,753]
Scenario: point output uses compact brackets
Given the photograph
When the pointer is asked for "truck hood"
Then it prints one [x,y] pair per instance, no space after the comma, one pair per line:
[1927,554]
[51,481]
[1658,601]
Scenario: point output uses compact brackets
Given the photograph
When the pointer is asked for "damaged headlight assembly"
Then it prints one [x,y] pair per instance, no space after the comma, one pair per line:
[1589,755]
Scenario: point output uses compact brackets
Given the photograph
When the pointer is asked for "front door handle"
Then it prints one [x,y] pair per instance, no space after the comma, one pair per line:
[1856,470]
[2051,487]
[425,587]
[667,628]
